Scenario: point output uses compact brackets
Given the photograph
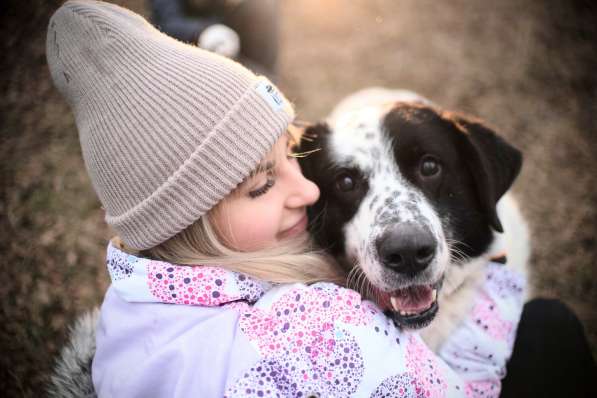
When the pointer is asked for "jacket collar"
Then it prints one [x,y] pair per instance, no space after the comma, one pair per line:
[138,279]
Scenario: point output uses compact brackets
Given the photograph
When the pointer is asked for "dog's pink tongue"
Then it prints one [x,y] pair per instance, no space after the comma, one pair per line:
[413,299]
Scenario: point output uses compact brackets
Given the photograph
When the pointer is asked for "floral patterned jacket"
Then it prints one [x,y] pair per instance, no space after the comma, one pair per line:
[194,331]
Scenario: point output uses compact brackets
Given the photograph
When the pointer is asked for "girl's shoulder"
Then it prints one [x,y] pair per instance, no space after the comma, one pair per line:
[291,318]
[308,309]
[324,302]
[325,340]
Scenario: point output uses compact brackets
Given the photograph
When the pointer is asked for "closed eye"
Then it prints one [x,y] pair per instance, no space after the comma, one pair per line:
[264,188]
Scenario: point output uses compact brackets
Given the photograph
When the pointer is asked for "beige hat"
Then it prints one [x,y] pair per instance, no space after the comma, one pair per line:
[167,129]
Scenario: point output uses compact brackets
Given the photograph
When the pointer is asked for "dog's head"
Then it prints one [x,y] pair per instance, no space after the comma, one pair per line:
[406,192]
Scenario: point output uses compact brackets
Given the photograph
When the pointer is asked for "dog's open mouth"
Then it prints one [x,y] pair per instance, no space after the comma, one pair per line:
[413,300]
[414,306]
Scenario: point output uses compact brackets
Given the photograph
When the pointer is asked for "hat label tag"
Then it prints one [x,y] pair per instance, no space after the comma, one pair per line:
[270,94]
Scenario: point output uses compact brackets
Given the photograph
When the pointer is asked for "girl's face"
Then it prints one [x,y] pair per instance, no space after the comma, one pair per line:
[269,206]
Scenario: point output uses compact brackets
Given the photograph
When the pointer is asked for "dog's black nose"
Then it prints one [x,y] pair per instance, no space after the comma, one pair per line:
[406,248]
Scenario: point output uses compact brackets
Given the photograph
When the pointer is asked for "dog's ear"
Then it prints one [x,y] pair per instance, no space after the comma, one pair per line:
[310,143]
[493,163]
[312,136]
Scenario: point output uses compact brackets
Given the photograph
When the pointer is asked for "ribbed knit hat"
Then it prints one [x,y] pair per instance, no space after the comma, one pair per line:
[167,130]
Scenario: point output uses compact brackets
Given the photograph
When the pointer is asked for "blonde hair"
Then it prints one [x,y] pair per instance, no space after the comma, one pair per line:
[293,260]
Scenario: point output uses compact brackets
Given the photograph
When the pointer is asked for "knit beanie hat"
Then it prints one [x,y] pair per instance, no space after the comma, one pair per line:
[167,130]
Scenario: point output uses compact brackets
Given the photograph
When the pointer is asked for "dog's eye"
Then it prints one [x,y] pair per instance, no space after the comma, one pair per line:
[429,166]
[345,182]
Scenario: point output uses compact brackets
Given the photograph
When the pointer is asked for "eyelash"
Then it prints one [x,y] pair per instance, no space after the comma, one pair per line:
[270,179]
[262,190]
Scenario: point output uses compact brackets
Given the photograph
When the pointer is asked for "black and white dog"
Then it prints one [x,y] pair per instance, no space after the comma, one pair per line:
[413,204]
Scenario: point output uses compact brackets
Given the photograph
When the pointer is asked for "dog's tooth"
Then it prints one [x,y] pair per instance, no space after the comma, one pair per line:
[394,302]
[434,294]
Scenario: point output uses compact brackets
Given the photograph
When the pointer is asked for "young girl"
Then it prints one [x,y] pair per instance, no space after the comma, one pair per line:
[190,157]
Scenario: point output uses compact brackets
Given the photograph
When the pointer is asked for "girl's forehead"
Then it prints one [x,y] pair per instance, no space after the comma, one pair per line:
[279,150]
[268,163]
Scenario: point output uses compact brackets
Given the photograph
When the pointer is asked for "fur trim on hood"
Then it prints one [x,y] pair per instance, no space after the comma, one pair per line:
[71,377]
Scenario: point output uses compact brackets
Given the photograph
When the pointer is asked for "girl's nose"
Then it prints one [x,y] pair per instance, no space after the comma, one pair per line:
[303,191]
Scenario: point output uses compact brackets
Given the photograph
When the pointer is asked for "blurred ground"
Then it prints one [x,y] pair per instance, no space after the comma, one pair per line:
[526,67]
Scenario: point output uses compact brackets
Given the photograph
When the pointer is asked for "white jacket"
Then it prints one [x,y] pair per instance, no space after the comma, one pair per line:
[195,331]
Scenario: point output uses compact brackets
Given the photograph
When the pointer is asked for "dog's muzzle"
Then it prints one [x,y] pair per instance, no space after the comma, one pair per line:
[408,250]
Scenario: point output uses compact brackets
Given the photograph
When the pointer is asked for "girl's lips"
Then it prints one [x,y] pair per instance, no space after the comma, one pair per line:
[296,229]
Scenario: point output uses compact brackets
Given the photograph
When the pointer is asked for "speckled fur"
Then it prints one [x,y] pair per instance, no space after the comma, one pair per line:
[359,140]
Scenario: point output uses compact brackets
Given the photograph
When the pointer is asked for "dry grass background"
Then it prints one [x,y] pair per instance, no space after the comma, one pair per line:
[527,67]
